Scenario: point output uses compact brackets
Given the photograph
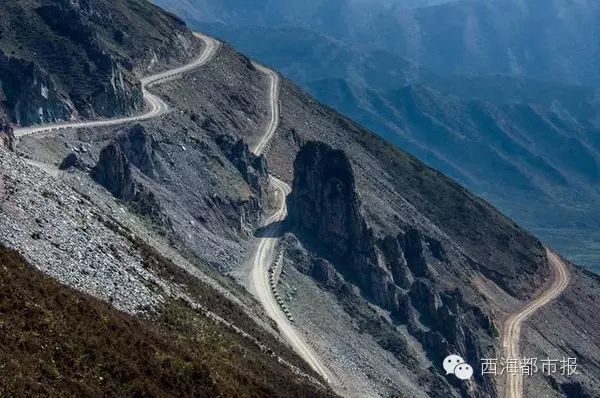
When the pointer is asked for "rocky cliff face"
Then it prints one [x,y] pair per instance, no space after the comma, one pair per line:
[6,130]
[114,171]
[324,204]
[396,272]
[52,70]
[31,95]
[139,148]
[253,168]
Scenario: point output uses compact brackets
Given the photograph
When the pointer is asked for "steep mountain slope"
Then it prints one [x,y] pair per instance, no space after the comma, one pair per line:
[391,187]
[451,243]
[354,62]
[538,163]
[89,349]
[415,266]
[79,234]
[87,67]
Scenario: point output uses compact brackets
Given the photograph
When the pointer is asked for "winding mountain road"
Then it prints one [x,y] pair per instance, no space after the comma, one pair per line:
[263,144]
[512,325]
[265,251]
[155,105]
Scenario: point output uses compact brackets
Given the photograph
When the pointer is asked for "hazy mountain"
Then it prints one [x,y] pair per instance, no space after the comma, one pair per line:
[294,51]
[556,39]
[293,12]
[536,164]
[501,63]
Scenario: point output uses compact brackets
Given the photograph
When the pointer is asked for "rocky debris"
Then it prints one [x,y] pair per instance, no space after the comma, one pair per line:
[65,236]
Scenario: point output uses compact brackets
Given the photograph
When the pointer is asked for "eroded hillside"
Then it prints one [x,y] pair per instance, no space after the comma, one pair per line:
[80,59]
[385,264]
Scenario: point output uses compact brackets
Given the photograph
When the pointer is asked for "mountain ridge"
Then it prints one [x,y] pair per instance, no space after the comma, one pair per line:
[212,198]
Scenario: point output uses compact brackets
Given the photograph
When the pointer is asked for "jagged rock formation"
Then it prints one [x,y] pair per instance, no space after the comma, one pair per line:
[253,168]
[6,131]
[139,148]
[113,172]
[394,272]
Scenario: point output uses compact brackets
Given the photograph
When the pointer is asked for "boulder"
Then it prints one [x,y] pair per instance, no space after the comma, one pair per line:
[71,161]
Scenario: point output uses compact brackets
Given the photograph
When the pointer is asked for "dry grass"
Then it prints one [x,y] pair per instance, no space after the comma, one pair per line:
[56,342]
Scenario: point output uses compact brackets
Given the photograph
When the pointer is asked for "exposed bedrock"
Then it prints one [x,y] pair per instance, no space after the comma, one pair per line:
[139,147]
[252,168]
[325,206]
[30,94]
[114,171]
[6,131]
[395,271]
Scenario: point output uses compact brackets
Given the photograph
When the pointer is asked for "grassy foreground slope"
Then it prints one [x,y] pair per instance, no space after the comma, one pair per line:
[55,341]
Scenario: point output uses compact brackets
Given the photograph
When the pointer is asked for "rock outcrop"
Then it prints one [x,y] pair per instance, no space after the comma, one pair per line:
[68,59]
[31,95]
[138,146]
[324,205]
[253,168]
[113,172]
[6,131]
[394,271]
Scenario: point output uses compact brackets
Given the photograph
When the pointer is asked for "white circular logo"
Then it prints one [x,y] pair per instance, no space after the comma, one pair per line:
[456,365]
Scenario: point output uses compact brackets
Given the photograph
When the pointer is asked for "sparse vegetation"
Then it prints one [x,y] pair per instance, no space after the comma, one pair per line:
[57,342]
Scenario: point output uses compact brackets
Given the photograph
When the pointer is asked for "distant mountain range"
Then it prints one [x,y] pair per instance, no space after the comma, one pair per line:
[544,39]
[499,95]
